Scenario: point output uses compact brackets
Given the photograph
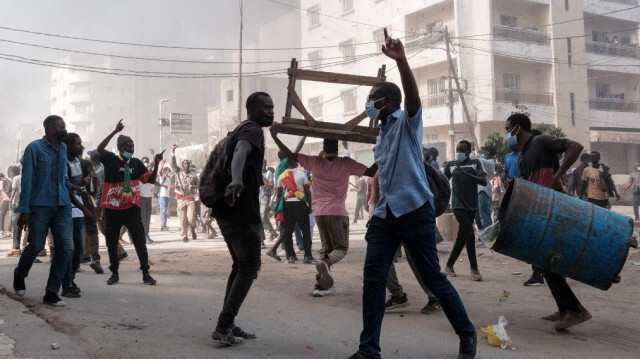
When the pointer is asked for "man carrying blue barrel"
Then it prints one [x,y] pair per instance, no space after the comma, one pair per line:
[539,164]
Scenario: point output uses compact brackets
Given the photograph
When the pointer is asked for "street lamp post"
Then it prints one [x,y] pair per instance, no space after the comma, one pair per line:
[160,120]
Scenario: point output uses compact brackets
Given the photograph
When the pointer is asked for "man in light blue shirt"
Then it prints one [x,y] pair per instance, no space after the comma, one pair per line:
[405,213]
[44,204]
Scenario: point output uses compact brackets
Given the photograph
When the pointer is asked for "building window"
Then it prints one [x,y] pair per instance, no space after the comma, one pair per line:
[347,6]
[566,5]
[435,27]
[315,59]
[437,92]
[511,81]
[229,95]
[510,21]
[315,107]
[599,36]
[53,101]
[378,37]
[313,13]
[569,55]
[83,127]
[83,108]
[54,83]
[603,90]
[349,101]
[81,88]
[573,108]
[348,50]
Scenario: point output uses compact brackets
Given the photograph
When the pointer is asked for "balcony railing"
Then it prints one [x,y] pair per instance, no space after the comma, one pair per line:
[613,50]
[436,100]
[540,98]
[424,40]
[626,2]
[606,104]
[524,35]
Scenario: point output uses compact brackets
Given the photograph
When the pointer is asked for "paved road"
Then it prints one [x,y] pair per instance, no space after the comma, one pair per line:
[175,318]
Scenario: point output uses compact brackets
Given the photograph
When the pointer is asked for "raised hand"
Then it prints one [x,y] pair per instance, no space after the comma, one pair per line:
[119,126]
[158,157]
[173,149]
[393,48]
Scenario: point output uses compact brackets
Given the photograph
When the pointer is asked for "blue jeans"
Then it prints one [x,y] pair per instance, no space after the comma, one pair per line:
[78,248]
[243,242]
[636,204]
[484,208]
[416,230]
[42,218]
[163,202]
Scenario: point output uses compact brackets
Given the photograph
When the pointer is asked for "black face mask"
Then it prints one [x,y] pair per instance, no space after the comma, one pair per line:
[61,135]
[265,121]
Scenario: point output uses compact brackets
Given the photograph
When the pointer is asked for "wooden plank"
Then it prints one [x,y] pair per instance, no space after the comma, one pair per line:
[334,77]
[339,135]
[292,83]
[355,121]
[297,103]
[368,131]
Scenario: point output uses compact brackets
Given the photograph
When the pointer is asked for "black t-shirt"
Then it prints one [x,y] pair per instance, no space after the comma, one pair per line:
[538,160]
[247,206]
[114,181]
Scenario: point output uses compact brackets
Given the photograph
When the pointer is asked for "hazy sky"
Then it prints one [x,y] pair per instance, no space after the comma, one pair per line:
[25,88]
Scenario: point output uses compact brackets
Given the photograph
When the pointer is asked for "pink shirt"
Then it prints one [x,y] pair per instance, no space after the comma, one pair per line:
[330,182]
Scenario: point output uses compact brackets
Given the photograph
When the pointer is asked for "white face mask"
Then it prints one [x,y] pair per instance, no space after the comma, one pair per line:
[473,155]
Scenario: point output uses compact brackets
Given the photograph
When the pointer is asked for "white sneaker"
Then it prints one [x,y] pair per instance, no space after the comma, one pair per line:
[282,254]
[321,292]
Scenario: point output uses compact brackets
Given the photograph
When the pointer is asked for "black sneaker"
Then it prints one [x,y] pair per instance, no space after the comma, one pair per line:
[432,306]
[193,234]
[185,239]
[85,260]
[95,265]
[396,302]
[291,260]
[148,279]
[74,287]
[18,284]
[309,260]
[535,281]
[52,298]
[113,279]
[468,348]
[123,257]
[70,293]
[227,339]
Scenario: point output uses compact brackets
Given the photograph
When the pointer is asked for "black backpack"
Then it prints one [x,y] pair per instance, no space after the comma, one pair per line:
[216,175]
[439,185]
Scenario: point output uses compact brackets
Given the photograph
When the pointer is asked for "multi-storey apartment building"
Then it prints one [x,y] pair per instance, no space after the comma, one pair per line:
[573,63]
[91,103]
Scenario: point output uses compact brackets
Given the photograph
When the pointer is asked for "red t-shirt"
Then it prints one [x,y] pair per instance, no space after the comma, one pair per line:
[114,182]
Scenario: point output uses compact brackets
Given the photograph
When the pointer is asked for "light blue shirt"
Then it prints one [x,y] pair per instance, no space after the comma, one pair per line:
[398,153]
[44,176]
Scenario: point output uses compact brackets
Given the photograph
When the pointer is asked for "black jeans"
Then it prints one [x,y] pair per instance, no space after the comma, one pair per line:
[243,241]
[466,237]
[604,203]
[131,219]
[296,212]
[562,293]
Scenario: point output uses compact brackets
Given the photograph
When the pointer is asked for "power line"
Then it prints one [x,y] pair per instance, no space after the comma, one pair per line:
[151,58]
[171,46]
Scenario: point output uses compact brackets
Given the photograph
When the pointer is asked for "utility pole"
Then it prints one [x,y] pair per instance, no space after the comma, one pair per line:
[454,73]
[452,132]
[161,122]
[240,65]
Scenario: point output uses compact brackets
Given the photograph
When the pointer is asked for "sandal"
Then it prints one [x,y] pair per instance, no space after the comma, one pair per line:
[226,339]
[238,332]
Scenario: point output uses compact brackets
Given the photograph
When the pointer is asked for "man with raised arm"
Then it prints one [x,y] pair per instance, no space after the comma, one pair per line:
[405,212]
[121,200]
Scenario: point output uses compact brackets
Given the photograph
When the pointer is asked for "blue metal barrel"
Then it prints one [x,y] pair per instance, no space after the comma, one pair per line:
[563,234]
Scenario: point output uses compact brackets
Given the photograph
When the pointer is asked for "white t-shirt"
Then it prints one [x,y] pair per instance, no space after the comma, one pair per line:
[75,177]
[145,190]
[301,179]
[164,181]
[15,190]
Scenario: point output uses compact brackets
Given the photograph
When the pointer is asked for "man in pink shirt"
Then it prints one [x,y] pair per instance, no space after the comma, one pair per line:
[330,175]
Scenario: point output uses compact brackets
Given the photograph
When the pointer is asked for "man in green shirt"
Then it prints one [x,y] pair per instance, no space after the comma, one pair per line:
[465,174]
